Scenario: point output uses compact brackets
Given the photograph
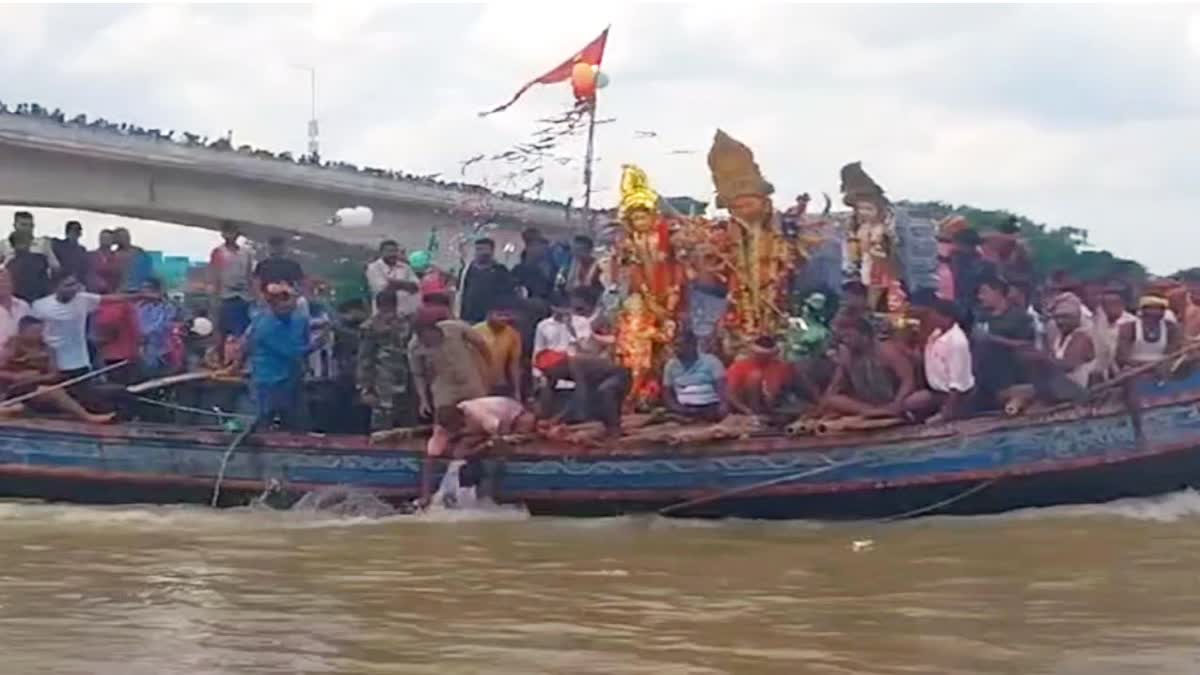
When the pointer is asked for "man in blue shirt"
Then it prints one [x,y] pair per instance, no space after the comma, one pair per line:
[276,345]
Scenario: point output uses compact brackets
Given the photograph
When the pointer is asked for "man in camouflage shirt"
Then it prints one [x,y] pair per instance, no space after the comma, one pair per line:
[383,364]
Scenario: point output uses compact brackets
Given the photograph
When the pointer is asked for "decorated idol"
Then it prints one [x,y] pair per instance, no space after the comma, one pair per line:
[871,239]
[654,279]
[757,259]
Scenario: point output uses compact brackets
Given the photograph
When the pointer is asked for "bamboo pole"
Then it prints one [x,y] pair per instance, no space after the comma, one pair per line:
[589,217]
[63,385]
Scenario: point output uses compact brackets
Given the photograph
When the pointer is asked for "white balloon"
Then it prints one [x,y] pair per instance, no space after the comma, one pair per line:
[358,216]
[601,80]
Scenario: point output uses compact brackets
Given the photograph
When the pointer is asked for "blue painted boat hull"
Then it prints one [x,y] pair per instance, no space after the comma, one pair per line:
[984,465]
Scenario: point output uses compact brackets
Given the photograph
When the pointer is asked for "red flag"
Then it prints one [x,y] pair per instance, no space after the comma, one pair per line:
[592,54]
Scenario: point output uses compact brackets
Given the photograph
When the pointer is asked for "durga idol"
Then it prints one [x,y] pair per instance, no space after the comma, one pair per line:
[872,239]
[646,264]
[758,259]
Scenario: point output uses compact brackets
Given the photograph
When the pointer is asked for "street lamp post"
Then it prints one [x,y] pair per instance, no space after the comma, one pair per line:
[314,147]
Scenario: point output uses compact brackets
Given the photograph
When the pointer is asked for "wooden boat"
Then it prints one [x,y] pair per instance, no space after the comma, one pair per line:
[983,465]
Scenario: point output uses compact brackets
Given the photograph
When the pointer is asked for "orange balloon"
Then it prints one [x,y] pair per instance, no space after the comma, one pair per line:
[583,81]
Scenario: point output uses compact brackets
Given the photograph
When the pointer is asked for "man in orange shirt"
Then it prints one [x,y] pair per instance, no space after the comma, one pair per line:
[757,382]
[504,370]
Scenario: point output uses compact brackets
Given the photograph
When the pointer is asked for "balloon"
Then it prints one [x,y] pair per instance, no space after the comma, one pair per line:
[583,81]
[419,260]
[358,216]
[601,80]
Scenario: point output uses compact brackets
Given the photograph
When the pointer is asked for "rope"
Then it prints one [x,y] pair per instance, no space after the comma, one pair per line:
[189,409]
[955,437]
[225,460]
[937,505]
[732,492]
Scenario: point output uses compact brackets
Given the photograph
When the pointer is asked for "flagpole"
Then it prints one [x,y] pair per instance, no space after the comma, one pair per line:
[587,169]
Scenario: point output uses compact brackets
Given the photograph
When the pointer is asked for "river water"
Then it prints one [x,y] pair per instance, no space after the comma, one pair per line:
[164,590]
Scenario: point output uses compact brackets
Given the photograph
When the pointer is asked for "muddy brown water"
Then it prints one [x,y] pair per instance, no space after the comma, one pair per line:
[165,590]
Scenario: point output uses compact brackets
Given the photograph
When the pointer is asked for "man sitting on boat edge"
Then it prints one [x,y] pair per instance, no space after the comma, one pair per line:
[873,377]
[27,366]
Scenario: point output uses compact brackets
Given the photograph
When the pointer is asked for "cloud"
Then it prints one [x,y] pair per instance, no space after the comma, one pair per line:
[23,33]
[1074,115]
[1194,34]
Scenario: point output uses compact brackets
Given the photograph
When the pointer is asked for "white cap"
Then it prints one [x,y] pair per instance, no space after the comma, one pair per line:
[202,326]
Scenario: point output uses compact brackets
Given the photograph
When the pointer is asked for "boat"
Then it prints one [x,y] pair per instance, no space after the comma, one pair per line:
[1077,454]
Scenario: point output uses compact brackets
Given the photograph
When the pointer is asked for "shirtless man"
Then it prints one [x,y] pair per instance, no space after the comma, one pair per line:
[872,378]
[27,365]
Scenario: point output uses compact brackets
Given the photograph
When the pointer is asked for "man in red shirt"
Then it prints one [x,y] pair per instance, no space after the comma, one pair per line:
[757,382]
[118,336]
[104,268]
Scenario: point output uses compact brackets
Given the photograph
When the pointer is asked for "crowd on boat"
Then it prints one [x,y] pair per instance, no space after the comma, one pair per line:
[226,144]
[694,320]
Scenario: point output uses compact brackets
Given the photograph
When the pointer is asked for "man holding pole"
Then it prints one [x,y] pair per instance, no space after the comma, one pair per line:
[27,373]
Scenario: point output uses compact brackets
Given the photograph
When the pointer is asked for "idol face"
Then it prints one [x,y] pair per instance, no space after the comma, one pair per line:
[750,208]
[866,212]
[641,220]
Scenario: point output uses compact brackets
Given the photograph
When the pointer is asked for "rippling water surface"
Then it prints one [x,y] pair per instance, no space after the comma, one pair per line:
[1106,589]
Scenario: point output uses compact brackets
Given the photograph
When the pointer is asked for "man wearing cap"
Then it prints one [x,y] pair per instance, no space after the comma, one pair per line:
[277,343]
[1064,372]
[1149,339]
[448,360]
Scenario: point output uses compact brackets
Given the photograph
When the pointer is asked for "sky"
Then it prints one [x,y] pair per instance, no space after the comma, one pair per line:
[1081,115]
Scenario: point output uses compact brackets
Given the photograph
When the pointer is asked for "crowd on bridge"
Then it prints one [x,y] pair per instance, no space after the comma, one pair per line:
[226,144]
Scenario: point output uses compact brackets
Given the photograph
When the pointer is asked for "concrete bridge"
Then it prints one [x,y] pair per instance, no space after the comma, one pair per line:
[50,164]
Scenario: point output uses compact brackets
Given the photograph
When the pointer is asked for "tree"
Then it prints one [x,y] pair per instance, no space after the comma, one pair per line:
[1052,249]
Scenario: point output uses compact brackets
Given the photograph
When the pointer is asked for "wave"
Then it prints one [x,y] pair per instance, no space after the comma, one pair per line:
[1168,508]
[309,514]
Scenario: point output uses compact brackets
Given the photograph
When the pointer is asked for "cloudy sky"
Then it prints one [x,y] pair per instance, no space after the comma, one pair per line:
[1073,115]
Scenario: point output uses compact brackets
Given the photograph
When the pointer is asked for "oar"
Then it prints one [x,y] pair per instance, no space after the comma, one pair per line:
[1136,371]
[168,381]
[745,489]
[64,384]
